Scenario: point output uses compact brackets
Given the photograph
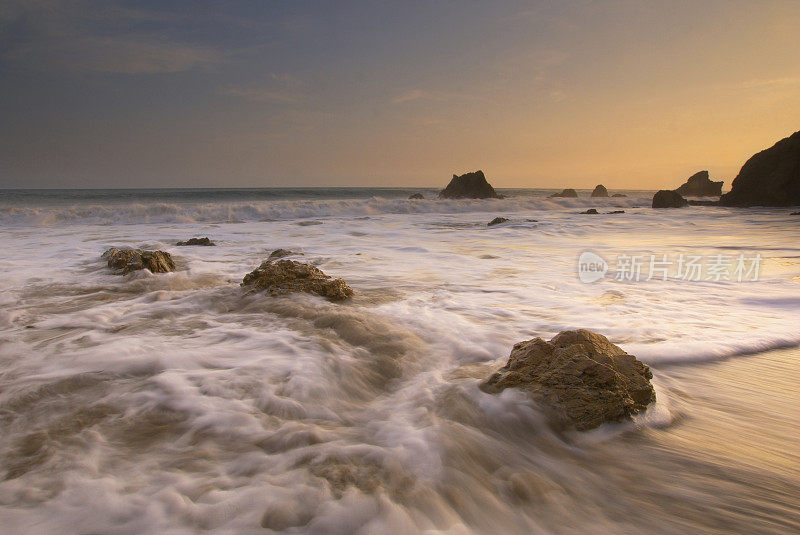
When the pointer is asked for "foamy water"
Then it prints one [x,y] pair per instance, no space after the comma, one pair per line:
[176,403]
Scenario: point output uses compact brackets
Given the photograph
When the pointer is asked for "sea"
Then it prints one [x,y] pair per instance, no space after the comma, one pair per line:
[181,403]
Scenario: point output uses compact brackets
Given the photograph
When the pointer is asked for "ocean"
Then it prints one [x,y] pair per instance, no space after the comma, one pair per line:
[179,403]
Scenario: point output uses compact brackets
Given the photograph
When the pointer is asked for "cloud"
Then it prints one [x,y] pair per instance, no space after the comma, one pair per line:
[766,83]
[76,36]
[281,88]
[435,96]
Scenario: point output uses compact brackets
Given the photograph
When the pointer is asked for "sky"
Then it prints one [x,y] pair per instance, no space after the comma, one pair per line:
[631,94]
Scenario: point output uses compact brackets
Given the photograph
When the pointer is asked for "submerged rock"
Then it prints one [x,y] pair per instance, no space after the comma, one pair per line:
[666,198]
[579,378]
[280,253]
[127,260]
[617,212]
[469,186]
[699,185]
[571,193]
[600,191]
[619,195]
[591,211]
[416,196]
[285,276]
[769,178]
[197,241]
[496,221]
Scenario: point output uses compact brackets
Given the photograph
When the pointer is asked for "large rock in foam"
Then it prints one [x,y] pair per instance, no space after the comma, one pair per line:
[579,378]
[667,198]
[285,276]
[127,260]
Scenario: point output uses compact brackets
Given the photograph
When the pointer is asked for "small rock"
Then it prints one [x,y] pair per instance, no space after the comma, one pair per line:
[795,213]
[416,196]
[127,260]
[285,276]
[619,195]
[600,191]
[591,211]
[280,253]
[197,241]
[579,378]
[496,221]
[668,199]
[571,193]
[617,212]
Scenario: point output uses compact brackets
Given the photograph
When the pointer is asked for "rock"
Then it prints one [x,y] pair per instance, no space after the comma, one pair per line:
[416,196]
[619,195]
[280,253]
[699,185]
[617,212]
[579,378]
[285,276]
[566,193]
[696,202]
[769,178]
[496,221]
[666,198]
[795,213]
[590,211]
[600,191]
[127,260]
[469,186]
[197,241]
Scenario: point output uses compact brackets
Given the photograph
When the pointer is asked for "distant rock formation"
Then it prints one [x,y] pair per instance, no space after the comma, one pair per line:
[579,378]
[127,260]
[667,198]
[600,191]
[416,196]
[571,193]
[469,186]
[496,221]
[699,185]
[286,276]
[769,178]
[197,241]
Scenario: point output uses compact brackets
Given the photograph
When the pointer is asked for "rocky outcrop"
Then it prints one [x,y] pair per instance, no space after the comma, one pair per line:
[286,276]
[769,178]
[416,196]
[127,260]
[579,378]
[667,198]
[570,193]
[591,211]
[699,185]
[600,191]
[469,186]
[496,221]
[197,241]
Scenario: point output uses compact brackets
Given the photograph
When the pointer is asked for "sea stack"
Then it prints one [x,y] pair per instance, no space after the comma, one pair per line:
[667,198]
[469,186]
[579,378]
[769,178]
[699,185]
[568,193]
[600,191]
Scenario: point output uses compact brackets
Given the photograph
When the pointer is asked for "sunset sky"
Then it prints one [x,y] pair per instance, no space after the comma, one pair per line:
[537,94]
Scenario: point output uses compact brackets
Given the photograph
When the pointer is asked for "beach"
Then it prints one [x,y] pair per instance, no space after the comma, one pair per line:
[180,402]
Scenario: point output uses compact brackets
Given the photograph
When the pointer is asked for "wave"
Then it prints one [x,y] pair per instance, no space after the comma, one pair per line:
[237,212]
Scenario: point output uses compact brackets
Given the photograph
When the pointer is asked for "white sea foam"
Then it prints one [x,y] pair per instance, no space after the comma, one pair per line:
[177,403]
